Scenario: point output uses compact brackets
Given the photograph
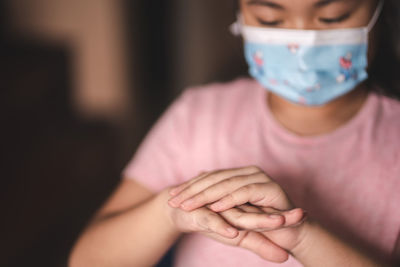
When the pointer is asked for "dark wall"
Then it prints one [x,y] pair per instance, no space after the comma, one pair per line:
[159,31]
[58,168]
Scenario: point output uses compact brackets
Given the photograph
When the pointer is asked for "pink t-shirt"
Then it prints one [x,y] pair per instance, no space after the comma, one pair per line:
[348,180]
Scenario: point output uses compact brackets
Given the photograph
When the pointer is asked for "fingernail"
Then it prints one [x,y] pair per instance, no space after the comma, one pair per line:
[173,191]
[173,202]
[293,211]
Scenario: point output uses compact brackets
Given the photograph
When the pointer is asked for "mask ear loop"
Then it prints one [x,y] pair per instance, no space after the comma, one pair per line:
[376,15]
[236,27]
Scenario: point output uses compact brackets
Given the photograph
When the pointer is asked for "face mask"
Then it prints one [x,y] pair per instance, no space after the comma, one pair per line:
[309,67]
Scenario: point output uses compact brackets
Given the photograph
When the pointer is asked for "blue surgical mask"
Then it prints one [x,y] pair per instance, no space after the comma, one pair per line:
[309,67]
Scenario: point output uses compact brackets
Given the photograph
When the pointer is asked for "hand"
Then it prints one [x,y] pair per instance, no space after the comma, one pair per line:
[225,189]
[219,226]
[215,226]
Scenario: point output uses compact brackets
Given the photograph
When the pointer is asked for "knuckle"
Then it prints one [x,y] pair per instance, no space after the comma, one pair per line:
[251,187]
[203,222]
[210,222]
[245,190]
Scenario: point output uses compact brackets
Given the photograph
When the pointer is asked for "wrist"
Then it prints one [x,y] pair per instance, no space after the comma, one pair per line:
[307,230]
[167,212]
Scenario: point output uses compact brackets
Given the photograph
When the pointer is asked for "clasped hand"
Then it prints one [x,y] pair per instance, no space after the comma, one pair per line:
[240,207]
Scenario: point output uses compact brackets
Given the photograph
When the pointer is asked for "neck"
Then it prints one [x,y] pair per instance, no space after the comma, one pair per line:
[309,121]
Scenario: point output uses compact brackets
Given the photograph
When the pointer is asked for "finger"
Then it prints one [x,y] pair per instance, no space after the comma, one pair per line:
[177,189]
[265,248]
[250,208]
[209,221]
[292,218]
[296,217]
[264,195]
[221,189]
[206,181]
[254,221]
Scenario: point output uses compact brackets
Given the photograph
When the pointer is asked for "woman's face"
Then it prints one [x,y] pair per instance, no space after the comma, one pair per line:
[308,14]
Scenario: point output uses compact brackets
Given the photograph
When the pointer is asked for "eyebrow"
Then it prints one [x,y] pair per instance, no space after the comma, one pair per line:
[323,3]
[265,3]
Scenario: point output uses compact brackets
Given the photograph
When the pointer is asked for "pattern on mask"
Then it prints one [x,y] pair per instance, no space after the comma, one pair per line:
[258,58]
[346,68]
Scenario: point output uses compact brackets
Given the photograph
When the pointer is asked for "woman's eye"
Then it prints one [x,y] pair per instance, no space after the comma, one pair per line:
[335,20]
[269,23]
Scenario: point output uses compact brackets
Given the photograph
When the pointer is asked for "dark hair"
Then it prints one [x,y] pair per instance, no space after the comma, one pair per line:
[384,71]
[384,75]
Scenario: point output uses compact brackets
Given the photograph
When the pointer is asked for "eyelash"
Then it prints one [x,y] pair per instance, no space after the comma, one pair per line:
[324,20]
[269,23]
[335,20]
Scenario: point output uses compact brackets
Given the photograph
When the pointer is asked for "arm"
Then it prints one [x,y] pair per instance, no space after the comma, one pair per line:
[318,247]
[132,229]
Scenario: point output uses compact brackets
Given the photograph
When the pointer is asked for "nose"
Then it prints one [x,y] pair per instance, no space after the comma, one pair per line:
[301,23]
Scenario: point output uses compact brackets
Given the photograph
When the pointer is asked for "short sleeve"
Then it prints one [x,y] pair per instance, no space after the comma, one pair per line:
[159,160]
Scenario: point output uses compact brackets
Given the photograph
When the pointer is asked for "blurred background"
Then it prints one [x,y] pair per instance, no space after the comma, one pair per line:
[81,83]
